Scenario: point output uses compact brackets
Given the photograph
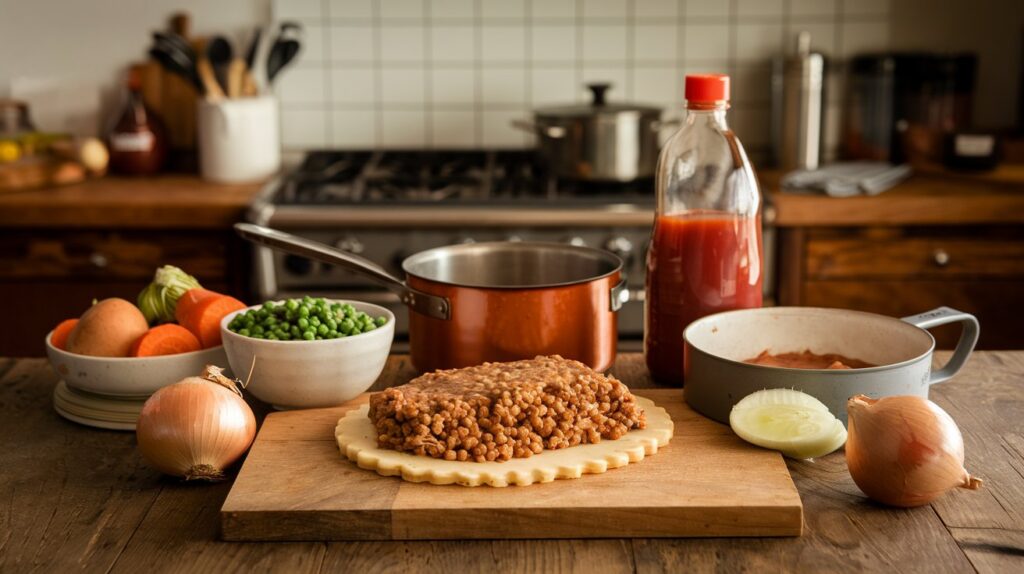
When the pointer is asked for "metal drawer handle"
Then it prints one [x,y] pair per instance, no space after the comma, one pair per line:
[941,257]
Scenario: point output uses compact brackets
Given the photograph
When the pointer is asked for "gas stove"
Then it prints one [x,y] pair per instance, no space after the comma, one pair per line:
[387,205]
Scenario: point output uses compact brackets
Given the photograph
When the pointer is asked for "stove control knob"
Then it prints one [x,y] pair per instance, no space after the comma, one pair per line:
[620,246]
[298,265]
[464,240]
[513,238]
[576,240]
[350,244]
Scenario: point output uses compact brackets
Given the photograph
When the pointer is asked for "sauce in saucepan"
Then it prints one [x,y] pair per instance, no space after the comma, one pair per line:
[807,360]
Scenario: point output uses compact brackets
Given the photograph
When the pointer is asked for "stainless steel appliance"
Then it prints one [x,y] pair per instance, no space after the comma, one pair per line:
[798,90]
[599,141]
[387,205]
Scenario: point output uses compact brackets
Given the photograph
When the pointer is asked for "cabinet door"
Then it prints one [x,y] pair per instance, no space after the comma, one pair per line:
[903,271]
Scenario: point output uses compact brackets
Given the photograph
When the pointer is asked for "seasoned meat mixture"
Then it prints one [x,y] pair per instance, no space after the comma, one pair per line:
[499,411]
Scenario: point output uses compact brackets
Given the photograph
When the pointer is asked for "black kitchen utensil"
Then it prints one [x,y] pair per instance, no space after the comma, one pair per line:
[220,53]
[286,46]
[176,61]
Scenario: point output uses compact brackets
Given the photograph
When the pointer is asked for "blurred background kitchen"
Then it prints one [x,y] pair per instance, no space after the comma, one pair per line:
[887,134]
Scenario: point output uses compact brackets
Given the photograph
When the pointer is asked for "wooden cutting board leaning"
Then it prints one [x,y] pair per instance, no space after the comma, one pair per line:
[296,485]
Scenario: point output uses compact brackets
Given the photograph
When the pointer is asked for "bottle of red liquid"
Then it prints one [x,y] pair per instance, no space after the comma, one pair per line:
[705,253]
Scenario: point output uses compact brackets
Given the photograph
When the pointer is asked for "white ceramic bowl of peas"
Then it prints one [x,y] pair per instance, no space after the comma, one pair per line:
[300,373]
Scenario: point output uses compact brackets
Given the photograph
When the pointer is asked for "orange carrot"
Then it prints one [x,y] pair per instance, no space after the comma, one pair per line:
[189,299]
[203,318]
[166,339]
[61,332]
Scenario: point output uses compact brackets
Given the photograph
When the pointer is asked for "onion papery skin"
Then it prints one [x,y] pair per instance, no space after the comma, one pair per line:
[904,451]
[194,429]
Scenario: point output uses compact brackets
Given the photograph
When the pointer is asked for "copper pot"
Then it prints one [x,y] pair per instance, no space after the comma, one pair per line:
[500,301]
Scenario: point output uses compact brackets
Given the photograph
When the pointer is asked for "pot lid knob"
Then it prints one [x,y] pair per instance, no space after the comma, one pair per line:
[597,91]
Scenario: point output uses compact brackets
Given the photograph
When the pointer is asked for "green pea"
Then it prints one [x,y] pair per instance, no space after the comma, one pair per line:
[296,331]
[368,327]
[257,330]
[271,320]
[308,335]
[349,309]
[303,311]
[243,332]
[271,337]
[322,329]
[303,323]
[331,324]
[346,326]
[291,304]
[257,336]
[333,334]
[381,321]
[314,321]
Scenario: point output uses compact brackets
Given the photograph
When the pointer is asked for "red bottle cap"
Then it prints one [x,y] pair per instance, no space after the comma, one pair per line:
[707,88]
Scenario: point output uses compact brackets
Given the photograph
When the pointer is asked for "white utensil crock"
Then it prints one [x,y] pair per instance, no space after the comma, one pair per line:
[238,139]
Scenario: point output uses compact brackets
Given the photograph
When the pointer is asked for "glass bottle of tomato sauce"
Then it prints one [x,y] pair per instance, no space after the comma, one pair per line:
[705,252]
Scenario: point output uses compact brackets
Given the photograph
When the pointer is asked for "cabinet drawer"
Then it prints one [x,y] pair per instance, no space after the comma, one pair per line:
[913,256]
[110,255]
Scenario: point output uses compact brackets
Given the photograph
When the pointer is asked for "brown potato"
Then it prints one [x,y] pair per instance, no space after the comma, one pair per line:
[108,329]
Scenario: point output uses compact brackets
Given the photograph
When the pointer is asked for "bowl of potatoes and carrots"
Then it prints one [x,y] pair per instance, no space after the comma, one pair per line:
[115,349]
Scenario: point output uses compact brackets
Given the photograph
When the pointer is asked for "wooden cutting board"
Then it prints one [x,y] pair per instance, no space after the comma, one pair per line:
[295,485]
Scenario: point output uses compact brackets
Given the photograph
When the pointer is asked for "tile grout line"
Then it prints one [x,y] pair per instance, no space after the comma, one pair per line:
[378,78]
[428,75]
[328,89]
[478,40]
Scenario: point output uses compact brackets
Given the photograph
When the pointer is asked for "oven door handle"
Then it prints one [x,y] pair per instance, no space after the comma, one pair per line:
[425,303]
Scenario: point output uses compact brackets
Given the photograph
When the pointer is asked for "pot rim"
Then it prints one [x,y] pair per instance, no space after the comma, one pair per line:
[590,252]
[796,371]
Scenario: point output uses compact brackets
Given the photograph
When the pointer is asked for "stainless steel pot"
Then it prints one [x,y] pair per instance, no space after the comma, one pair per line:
[598,141]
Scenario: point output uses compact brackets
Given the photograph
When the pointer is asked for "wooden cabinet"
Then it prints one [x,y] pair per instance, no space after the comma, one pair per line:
[939,238]
[47,275]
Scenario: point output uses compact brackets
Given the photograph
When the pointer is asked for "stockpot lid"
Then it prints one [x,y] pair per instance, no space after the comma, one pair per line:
[598,106]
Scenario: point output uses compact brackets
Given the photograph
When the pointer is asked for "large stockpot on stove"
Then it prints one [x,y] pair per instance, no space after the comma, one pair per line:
[499,301]
[599,141]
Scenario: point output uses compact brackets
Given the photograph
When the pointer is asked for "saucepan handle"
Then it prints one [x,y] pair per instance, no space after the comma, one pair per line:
[425,303]
[968,337]
[619,296]
[553,132]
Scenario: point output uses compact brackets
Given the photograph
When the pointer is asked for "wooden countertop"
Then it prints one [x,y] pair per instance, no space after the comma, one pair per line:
[77,498]
[172,201]
[931,197]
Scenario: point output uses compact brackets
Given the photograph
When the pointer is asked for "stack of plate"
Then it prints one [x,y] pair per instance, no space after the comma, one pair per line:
[108,392]
[105,412]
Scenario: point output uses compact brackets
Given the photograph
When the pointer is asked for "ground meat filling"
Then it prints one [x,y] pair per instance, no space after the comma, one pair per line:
[500,411]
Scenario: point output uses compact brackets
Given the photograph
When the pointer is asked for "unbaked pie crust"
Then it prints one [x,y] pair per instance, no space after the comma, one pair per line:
[357,439]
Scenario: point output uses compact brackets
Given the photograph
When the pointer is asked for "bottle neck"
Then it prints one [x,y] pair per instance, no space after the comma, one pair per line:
[713,116]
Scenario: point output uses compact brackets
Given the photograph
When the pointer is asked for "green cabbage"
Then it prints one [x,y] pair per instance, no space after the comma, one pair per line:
[160,298]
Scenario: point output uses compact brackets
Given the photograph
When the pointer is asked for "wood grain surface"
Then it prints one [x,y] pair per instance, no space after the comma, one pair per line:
[80,499]
[165,202]
[296,485]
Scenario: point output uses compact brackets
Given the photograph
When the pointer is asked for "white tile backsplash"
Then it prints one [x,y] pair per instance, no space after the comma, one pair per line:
[353,86]
[500,43]
[402,86]
[503,86]
[453,44]
[544,9]
[453,86]
[349,9]
[401,9]
[353,128]
[549,86]
[402,44]
[553,43]
[656,9]
[655,42]
[604,42]
[299,85]
[403,129]
[460,9]
[454,73]
[351,43]
[503,9]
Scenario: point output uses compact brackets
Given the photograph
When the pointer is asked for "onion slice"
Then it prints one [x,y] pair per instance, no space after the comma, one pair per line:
[789,421]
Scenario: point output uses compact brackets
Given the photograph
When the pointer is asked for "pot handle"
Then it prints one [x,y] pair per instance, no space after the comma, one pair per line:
[425,303]
[619,295]
[553,132]
[968,337]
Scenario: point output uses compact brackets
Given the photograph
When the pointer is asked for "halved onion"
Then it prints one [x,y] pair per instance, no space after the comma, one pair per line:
[789,421]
